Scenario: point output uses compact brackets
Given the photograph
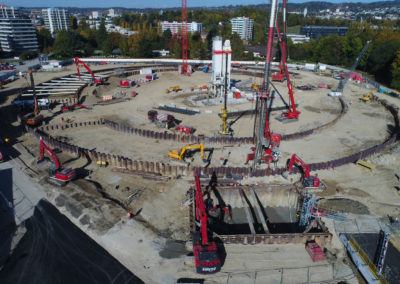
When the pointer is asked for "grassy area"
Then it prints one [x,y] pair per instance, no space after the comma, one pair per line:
[293,30]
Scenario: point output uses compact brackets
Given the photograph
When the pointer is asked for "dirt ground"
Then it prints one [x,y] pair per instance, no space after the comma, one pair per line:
[94,204]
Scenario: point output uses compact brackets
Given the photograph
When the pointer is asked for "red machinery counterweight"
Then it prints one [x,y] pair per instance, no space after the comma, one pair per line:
[207,260]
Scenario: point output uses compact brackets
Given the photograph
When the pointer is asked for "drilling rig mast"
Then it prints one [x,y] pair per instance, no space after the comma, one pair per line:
[184,68]
[262,131]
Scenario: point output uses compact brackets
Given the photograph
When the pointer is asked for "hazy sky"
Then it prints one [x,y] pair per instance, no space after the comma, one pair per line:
[143,3]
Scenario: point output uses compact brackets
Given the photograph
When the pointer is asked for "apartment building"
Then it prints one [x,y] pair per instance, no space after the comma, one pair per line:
[243,27]
[55,19]
[17,35]
[8,12]
[176,26]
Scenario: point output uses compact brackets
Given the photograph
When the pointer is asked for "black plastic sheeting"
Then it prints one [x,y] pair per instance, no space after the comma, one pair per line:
[55,251]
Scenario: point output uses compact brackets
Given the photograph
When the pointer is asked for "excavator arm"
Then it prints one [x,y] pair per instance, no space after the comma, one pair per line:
[295,160]
[43,147]
[77,62]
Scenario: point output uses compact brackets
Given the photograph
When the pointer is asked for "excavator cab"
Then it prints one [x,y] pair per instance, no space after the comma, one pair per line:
[311,182]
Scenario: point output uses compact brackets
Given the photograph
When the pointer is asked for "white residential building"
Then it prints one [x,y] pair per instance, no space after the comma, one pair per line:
[243,27]
[176,26]
[17,35]
[95,15]
[55,19]
[8,12]
[111,13]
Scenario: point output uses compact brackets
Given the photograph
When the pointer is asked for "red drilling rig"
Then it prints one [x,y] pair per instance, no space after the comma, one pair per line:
[267,143]
[184,69]
[205,253]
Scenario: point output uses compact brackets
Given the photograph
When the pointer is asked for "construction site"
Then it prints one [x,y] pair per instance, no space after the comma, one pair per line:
[273,173]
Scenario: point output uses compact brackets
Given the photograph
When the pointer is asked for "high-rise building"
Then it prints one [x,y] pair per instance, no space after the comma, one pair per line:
[243,27]
[8,12]
[111,13]
[17,35]
[176,26]
[55,19]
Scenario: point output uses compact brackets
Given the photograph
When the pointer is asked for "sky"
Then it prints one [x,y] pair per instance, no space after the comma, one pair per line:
[146,4]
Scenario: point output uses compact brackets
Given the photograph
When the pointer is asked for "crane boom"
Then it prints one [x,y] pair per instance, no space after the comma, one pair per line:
[184,70]
[343,82]
[201,214]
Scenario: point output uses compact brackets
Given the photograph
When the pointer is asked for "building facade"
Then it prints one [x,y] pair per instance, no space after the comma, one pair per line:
[55,19]
[17,35]
[176,26]
[8,12]
[243,27]
[314,32]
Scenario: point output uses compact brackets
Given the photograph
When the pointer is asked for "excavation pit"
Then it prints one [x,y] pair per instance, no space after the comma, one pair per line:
[257,214]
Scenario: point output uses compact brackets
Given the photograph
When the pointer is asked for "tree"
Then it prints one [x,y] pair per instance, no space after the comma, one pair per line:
[45,40]
[67,44]
[351,49]
[237,47]
[212,33]
[145,48]
[73,22]
[101,34]
[396,72]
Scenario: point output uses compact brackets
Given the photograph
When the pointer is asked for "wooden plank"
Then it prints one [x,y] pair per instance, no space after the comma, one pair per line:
[248,215]
[260,214]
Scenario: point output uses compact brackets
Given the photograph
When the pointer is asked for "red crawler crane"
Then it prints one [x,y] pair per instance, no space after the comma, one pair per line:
[292,113]
[205,253]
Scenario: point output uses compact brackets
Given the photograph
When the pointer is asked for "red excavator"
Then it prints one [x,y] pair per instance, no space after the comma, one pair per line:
[307,180]
[96,81]
[205,253]
[67,107]
[58,175]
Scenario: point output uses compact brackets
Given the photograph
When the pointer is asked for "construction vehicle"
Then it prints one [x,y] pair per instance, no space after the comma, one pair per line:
[367,97]
[162,120]
[205,251]
[271,153]
[33,118]
[291,114]
[338,92]
[187,151]
[173,89]
[66,107]
[255,87]
[267,143]
[307,180]
[58,175]
[280,76]
[96,81]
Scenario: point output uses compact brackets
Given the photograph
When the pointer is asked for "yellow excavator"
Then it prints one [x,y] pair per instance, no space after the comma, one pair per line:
[367,97]
[173,89]
[182,154]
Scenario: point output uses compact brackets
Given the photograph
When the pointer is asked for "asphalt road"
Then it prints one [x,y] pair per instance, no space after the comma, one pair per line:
[54,250]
